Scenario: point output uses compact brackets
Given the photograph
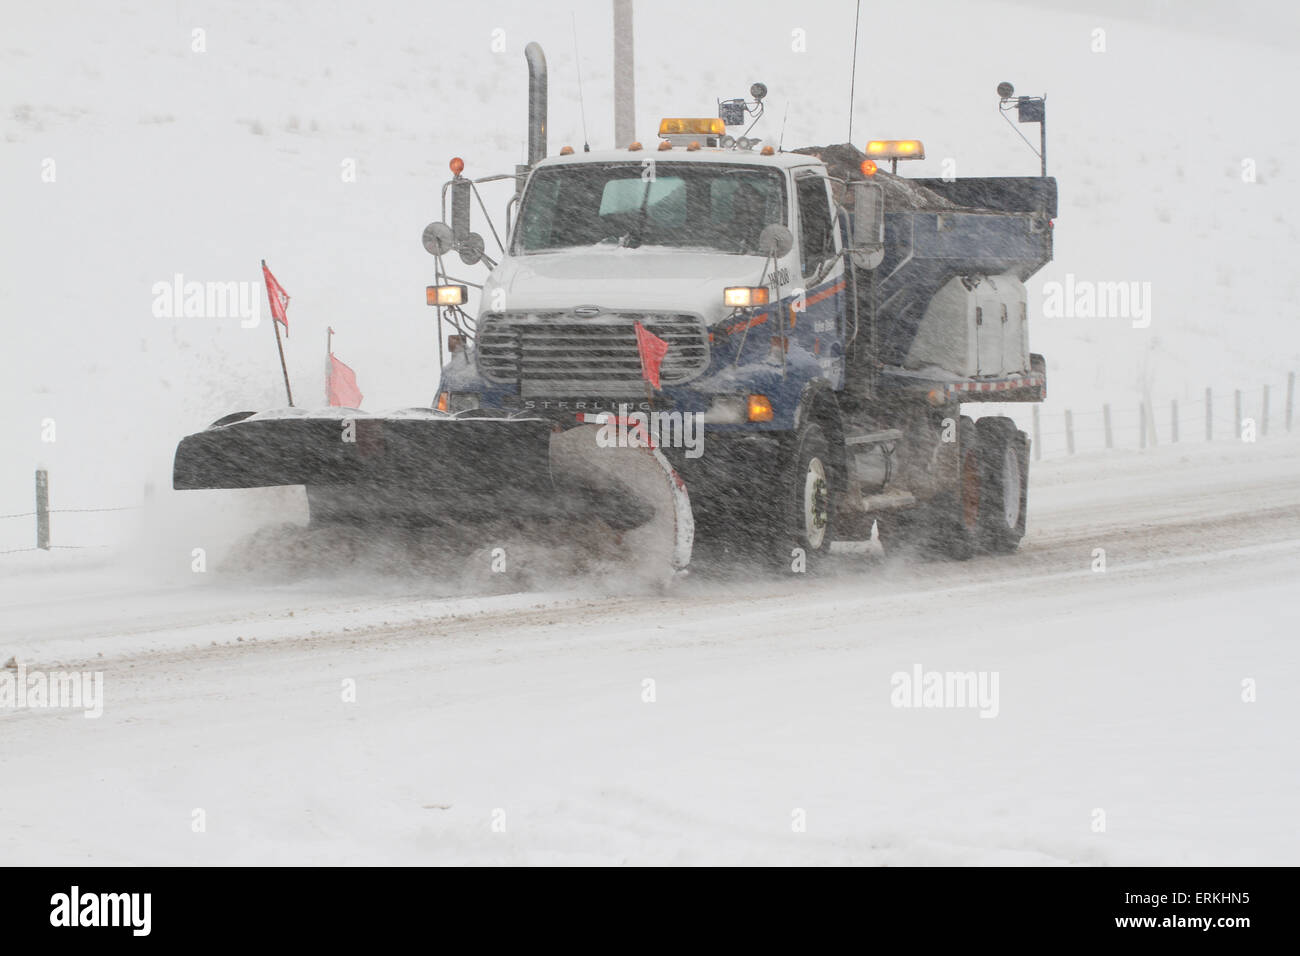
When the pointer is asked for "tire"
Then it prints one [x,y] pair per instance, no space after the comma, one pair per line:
[806,516]
[952,519]
[1003,452]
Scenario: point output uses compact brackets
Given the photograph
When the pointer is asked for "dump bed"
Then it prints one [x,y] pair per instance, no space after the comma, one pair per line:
[997,193]
[936,230]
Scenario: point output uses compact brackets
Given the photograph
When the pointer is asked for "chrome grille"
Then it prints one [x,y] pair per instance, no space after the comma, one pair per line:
[559,354]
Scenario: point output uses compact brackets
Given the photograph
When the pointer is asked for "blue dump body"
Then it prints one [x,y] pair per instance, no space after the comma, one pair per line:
[926,247]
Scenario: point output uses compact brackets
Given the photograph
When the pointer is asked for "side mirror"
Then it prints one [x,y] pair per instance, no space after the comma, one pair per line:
[867,243]
[440,239]
[775,240]
[470,249]
[437,239]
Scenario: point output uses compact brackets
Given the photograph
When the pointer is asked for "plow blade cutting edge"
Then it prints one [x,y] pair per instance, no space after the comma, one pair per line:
[426,469]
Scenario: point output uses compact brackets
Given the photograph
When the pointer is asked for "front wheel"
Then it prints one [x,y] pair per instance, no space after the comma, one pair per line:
[806,520]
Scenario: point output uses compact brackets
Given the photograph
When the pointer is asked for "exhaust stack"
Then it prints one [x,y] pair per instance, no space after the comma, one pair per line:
[536,102]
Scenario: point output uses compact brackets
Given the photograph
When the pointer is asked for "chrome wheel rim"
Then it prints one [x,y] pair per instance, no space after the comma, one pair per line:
[816,504]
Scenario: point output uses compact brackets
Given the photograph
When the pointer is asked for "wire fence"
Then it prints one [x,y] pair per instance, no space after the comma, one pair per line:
[1215,415]
[59,547]
[1237,415]
[42,512]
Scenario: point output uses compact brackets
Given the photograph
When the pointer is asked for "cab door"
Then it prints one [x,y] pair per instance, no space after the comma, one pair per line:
[818,314]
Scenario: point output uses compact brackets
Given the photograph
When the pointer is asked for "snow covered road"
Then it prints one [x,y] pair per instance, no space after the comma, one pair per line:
[729,720]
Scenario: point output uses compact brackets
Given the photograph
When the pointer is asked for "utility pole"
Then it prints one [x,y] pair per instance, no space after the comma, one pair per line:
[624,76]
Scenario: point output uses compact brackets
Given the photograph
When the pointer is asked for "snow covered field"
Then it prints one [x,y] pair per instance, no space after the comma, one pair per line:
[381,714]
[1118,691]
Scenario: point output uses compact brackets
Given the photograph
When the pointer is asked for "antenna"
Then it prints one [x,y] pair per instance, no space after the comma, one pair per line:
[1029,109]
[780,146]
[853,81]
[577,62]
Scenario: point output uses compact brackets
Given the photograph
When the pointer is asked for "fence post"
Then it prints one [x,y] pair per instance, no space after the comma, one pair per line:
[1209,415]
[1263,413]
[1290,397]
[1237,414]
[1173,422]
[1069,432]
[1142,425]
[42,509]
[1105,417]
[1038,440]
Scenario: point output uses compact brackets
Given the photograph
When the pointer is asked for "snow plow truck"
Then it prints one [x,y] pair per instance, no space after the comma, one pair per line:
[734,349]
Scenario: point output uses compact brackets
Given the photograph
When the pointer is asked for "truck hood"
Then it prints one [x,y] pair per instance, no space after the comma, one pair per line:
[616,279]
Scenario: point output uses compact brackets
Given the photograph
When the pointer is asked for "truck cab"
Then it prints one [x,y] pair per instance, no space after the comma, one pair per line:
[735,259]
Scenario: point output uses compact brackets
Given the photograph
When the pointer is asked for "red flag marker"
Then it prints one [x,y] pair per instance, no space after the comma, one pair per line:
[343,385]
[652,350]
[278,298]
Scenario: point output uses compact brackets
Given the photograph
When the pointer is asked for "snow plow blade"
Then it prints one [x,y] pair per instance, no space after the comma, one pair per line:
[424,469]
[403,461]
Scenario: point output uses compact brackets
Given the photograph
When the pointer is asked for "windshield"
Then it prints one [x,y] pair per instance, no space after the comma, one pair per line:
[710,206]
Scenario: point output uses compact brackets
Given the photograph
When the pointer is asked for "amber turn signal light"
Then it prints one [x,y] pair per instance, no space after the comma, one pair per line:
[758,408]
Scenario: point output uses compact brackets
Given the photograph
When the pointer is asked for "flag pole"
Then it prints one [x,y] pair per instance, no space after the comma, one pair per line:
[329,366]
[278,344]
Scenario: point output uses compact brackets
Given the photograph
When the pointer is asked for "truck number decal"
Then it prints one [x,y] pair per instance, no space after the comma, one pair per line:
[780,276]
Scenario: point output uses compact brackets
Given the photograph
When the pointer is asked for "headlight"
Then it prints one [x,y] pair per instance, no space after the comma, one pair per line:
[458,401]
[446,294]
[726,410]
[744,297]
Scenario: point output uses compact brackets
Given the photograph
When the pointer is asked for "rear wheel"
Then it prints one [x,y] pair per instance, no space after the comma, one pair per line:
[1005,463]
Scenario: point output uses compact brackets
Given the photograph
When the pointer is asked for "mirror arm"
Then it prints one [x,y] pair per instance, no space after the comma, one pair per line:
[488,217]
